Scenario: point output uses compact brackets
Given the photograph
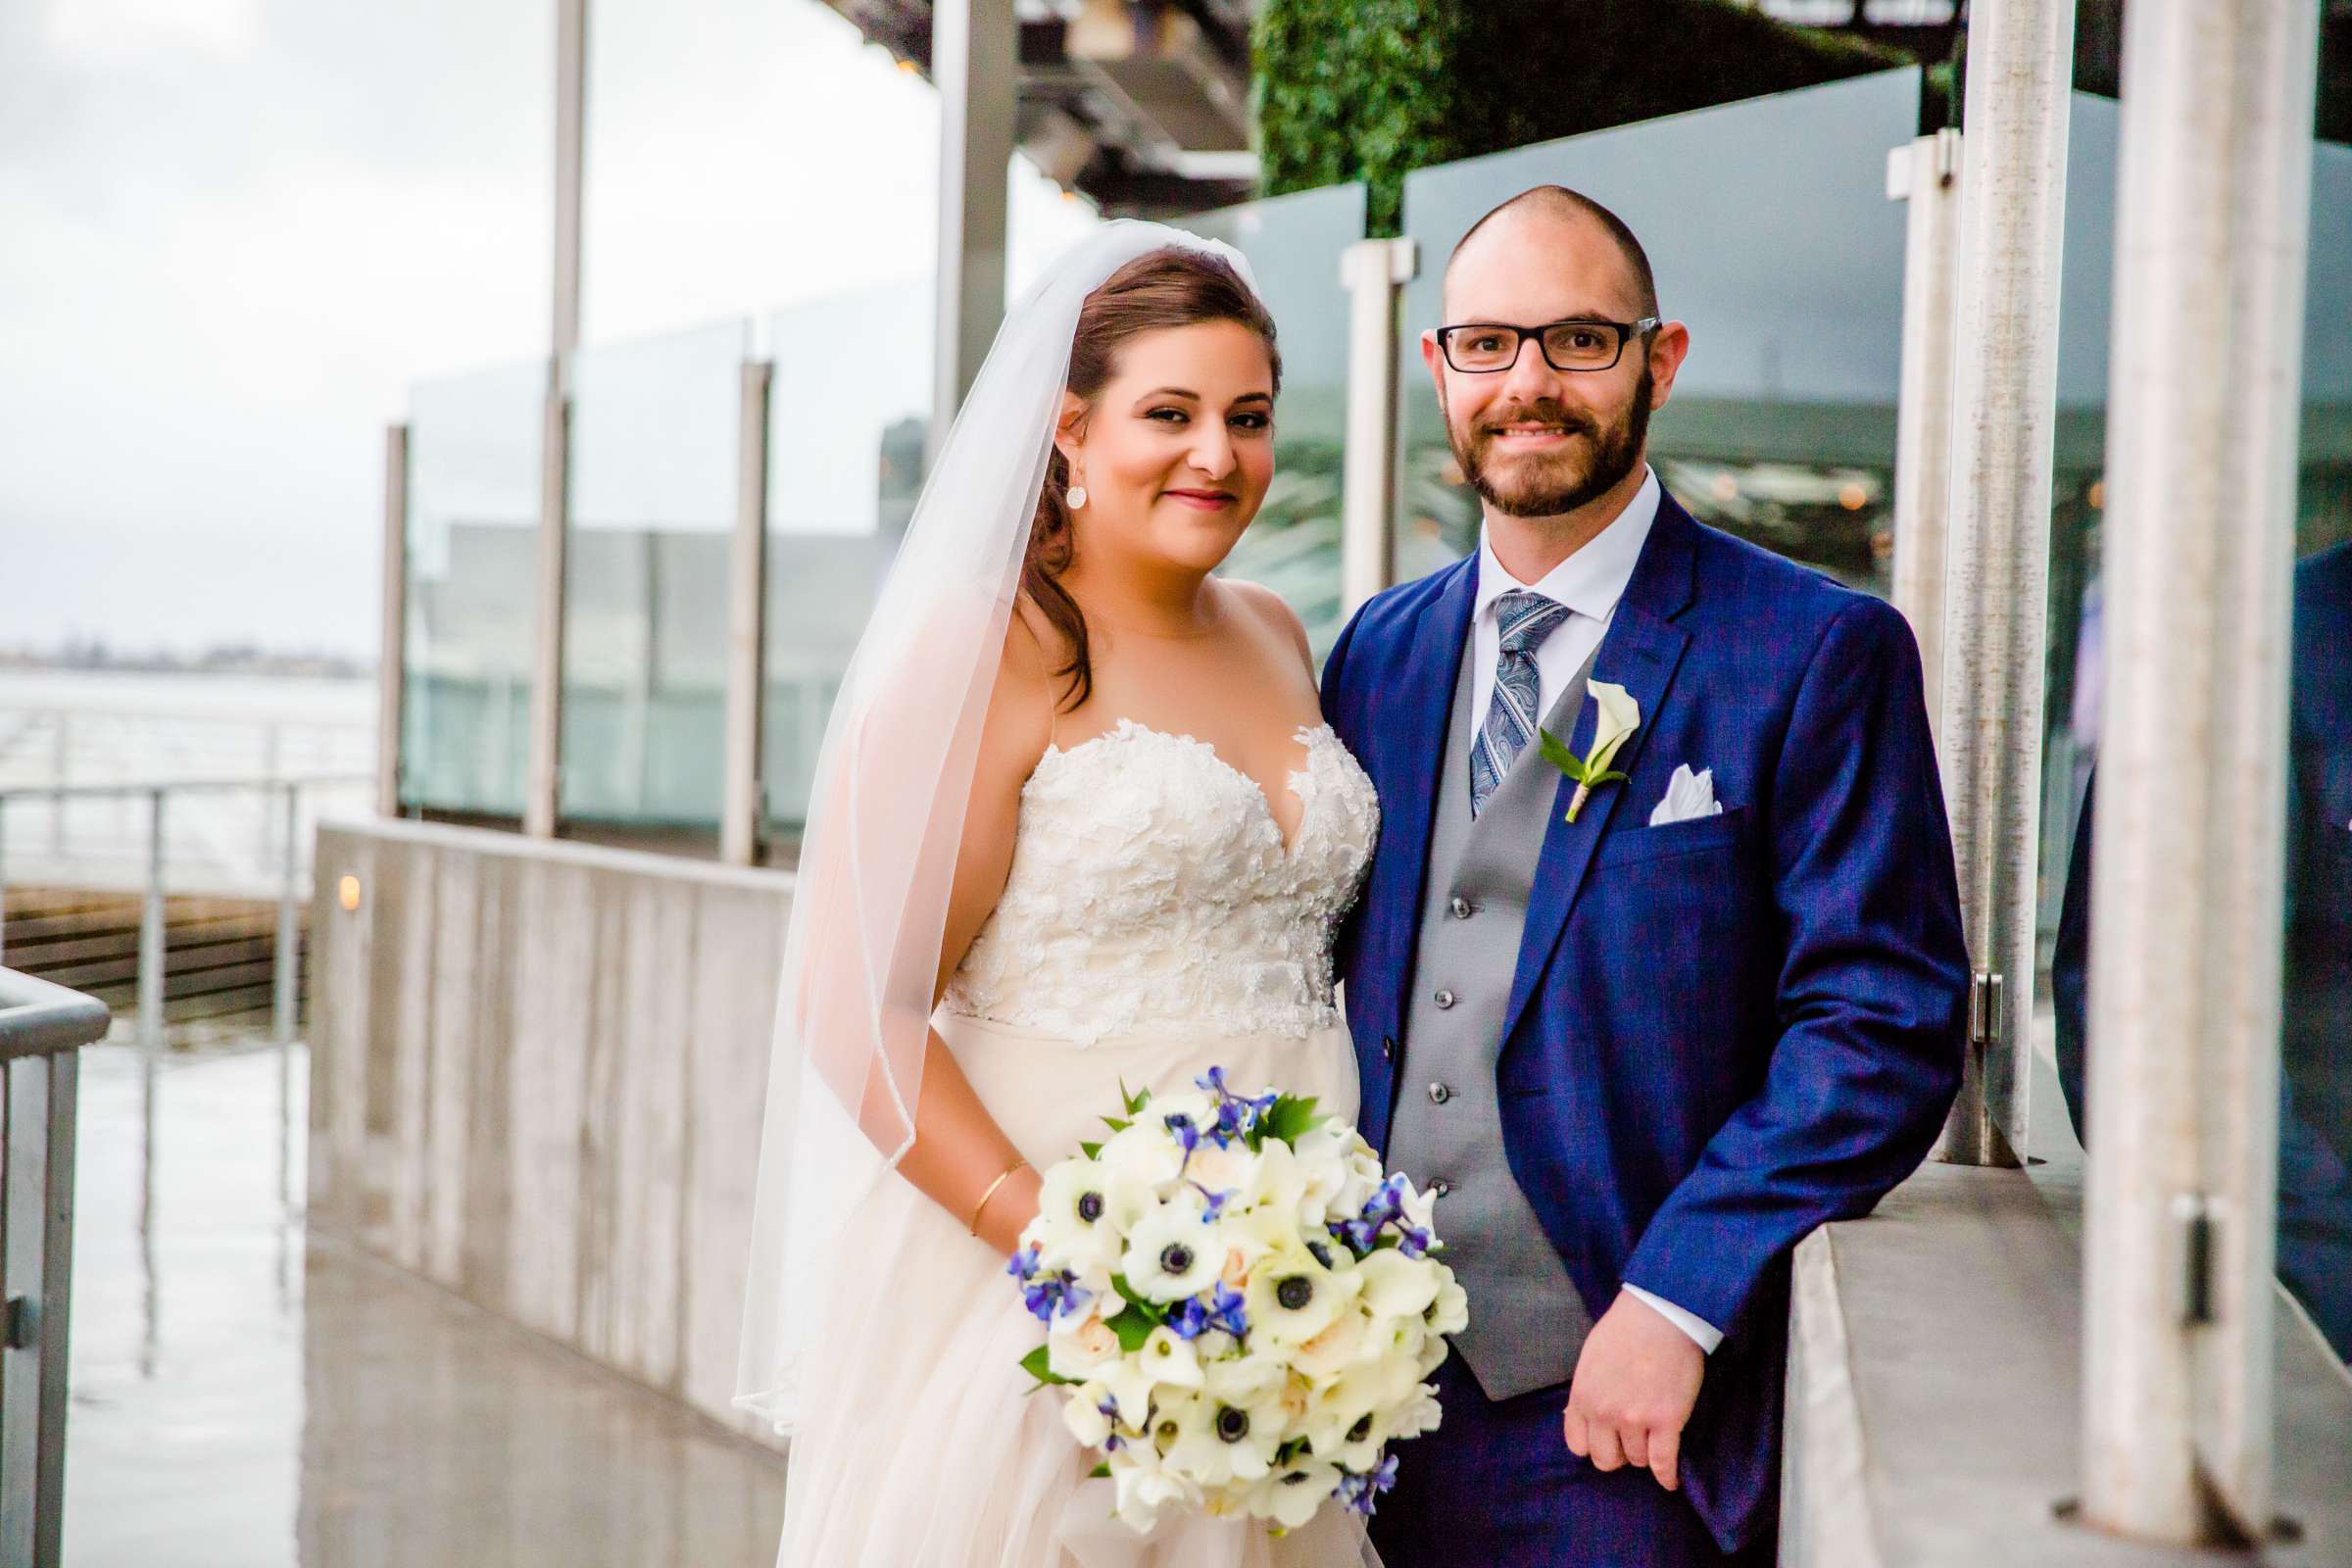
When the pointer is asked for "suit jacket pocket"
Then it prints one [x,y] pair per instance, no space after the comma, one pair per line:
[1687,837]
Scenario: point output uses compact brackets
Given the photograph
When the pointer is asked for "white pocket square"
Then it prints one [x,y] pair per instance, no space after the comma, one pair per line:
[1687,795]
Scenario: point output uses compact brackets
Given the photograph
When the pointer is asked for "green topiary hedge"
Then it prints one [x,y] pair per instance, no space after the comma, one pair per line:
[1370,89]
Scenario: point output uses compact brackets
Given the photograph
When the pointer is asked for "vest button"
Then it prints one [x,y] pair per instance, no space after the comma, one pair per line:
[1439,1094]
[1460,907]
[1439,1187]
[1388,1047]
[1443,998]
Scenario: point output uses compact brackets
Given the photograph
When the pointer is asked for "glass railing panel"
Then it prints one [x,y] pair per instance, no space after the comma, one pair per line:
[1293,244]
[472,554]
[654,497]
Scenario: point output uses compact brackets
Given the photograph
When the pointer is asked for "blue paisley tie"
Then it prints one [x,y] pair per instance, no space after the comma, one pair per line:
[1526,620]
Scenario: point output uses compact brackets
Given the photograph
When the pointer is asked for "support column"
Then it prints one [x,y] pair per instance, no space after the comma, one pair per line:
[1374,271]
[975,63]
[1926,174]
[543,785]
[2203,406]
[391,666]
[747,625]
[2005,416]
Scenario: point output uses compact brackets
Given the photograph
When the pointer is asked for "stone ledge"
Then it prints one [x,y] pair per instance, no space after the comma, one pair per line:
[1933,1390]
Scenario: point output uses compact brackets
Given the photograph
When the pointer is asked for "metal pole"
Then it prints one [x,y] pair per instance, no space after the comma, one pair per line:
[151,935]
[543,786]
[2203,407]
[975,65]
[2005,416]
[270,742]
[1374,271]
[1926,174]
[747,623]
[391,669]
[286,998]
[61,760]
[3,877]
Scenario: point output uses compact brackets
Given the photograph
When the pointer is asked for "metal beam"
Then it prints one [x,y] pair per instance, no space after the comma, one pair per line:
[1926,175]
[2004,414]
[543,785]
[2205,383]
[747,624]
[974,48]
[1374,271]
[391,669]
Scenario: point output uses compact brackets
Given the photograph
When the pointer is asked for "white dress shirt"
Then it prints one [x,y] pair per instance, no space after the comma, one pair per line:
[1590,583]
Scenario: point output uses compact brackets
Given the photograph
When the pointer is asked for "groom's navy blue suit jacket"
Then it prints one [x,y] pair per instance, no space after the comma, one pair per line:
[1722,1031]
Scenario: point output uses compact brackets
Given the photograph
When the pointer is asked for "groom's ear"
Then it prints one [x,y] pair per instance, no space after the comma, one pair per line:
[1668,346]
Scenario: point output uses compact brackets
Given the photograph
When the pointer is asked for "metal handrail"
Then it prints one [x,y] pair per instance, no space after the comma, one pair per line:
[55,791]
[39,1019]
[42,1028]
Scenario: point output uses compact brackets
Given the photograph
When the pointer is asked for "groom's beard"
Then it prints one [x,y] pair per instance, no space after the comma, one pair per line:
[1547,484]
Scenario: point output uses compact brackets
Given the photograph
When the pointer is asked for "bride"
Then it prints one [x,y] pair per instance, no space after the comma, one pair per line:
[1077,824]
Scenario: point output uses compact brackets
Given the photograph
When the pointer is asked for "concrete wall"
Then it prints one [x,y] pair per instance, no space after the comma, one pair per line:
[537,1078]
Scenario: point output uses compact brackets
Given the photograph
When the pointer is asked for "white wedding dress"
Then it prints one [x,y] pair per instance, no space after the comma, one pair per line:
[1153,924]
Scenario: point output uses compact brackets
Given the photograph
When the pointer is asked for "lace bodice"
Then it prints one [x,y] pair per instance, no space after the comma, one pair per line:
[1151,888]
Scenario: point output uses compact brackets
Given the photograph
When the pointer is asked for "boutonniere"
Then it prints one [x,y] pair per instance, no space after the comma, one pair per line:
[1620,717]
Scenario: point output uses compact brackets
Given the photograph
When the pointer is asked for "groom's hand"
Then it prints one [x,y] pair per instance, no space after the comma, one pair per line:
[1635,1385]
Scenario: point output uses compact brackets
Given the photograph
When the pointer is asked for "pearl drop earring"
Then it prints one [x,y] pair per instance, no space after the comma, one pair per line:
[1077,496]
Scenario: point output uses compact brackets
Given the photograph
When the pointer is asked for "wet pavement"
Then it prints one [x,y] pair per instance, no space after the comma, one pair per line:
[247,1396]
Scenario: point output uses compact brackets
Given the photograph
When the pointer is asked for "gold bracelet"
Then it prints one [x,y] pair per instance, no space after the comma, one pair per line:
[982,1205]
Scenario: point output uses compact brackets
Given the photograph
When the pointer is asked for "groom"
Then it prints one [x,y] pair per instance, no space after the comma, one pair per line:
[1643,1052]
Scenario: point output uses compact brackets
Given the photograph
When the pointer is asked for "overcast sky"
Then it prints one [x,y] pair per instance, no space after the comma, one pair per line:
[233,231]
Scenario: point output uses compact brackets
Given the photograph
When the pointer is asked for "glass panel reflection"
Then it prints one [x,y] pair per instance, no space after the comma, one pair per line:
[472,532]
[1293,244]
[848,412]
[1787,271]
[645,619]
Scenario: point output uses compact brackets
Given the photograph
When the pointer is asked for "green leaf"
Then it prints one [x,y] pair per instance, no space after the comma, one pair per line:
[1291,1118]
[1101,1472]
[1555,752]
[1143,1304]
[1090,1151]
[1137,1101]
[1609,778]
[1035,1364]
[1115,1124]
[1133,1327]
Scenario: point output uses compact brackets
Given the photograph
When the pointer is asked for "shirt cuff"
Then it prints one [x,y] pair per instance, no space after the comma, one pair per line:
[1705,1334]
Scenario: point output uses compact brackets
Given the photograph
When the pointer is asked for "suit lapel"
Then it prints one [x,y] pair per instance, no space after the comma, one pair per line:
[1640,653]
[1408,785]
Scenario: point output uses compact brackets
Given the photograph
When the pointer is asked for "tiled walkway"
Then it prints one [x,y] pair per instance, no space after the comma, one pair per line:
[248,1399]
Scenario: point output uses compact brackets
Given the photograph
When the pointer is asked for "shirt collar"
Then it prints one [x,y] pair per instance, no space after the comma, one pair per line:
[1591,581]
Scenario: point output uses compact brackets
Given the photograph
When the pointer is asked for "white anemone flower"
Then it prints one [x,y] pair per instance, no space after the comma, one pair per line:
[1450,1312]
[1084,1210]
[1294,1294]
[1348,1422]
[1173,1252]
[1213,1443]
[1291,1493]
[1397,1286]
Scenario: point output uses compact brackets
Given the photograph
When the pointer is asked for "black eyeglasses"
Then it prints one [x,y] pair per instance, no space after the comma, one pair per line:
[1480,348]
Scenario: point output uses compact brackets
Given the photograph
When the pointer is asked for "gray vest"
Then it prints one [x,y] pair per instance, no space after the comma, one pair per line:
[1527,1321]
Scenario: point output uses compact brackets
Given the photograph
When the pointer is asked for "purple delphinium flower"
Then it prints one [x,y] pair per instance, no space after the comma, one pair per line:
[1048,1296]
[1188,1319]
[1362,1493]
[1217,1201]
[1110,1411]
[1024,1264]
[1225,1311]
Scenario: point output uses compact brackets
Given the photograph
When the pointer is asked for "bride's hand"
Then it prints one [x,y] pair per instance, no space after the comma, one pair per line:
[1009,1209]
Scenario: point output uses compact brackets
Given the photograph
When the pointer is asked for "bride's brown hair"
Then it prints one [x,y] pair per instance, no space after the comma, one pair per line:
[1172,286]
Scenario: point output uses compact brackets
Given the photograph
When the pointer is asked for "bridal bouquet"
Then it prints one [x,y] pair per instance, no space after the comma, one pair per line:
[1238,1304]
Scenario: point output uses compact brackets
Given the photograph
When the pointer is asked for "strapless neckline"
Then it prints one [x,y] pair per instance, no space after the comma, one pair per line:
[1306,735]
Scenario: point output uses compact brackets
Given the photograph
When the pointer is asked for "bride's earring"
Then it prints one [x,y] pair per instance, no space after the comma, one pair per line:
[1077,496]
